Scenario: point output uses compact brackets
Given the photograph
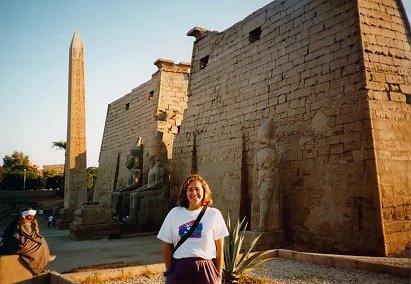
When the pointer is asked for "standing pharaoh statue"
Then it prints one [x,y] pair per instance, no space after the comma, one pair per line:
[268,180]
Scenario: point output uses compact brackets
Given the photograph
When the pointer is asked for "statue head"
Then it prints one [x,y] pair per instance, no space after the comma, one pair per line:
[154,146]
[130,162]
[136,147]
[266,132]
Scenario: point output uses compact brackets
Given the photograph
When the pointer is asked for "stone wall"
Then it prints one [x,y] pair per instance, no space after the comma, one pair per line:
[387,57]
[301,63]
[156,105]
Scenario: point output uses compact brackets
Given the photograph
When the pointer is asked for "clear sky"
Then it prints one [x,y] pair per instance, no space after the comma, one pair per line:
[121,38]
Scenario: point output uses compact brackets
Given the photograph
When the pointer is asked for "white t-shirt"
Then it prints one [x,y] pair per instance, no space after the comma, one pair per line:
[201,243]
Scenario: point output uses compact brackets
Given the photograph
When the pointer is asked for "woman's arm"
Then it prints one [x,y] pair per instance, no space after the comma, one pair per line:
[168,254]
[219,259]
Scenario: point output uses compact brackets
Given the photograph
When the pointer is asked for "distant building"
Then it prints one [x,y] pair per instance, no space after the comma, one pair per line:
[57,168]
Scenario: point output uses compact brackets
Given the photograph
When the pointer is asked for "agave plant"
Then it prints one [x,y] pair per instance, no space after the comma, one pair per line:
[235,264]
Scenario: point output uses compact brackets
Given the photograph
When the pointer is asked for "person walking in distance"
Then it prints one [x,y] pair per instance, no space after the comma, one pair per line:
[50,221]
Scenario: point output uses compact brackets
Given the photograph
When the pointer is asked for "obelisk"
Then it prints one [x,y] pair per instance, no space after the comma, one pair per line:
[75,176]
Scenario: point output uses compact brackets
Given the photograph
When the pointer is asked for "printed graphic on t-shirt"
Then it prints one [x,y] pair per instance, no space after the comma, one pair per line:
[183,229]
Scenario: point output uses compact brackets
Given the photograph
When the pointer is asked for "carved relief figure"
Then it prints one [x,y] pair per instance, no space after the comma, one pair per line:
[268,179]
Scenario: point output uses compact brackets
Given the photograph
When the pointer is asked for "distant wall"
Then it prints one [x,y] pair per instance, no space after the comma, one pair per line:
[15,202]
[156,105]
[27,194]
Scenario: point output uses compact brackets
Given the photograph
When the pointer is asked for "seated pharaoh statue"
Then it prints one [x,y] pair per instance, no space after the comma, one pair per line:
[149,203]
[120,201]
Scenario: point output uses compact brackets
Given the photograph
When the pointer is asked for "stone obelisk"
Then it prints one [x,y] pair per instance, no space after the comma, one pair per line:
[75,177]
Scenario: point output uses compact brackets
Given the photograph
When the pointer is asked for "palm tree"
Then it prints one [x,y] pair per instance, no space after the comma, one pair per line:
[60,145]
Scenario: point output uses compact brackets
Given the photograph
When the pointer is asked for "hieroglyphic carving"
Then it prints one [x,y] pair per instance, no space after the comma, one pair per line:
[75,183]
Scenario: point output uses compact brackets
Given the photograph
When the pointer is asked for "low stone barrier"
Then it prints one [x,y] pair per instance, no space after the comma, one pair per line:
[338,261]
[112,273]
[345,262]
[13,269]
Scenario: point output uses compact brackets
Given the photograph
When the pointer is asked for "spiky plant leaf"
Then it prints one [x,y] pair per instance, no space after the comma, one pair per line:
[228,247]
[252,259]
[245,255]
[236,264]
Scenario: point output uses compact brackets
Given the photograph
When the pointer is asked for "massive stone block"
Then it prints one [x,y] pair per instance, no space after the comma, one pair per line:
[75,177]
[93,222]
[335,78]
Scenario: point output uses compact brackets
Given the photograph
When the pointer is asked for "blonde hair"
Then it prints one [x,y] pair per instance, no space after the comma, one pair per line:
[182,197]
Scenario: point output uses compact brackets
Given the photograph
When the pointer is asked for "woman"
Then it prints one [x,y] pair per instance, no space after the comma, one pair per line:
[31,245]
[200,258]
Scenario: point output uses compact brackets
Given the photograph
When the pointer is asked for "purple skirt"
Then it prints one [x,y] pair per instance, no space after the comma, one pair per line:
[193,270]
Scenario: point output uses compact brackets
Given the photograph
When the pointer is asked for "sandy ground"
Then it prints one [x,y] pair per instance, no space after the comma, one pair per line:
[147,249]
[74,254]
